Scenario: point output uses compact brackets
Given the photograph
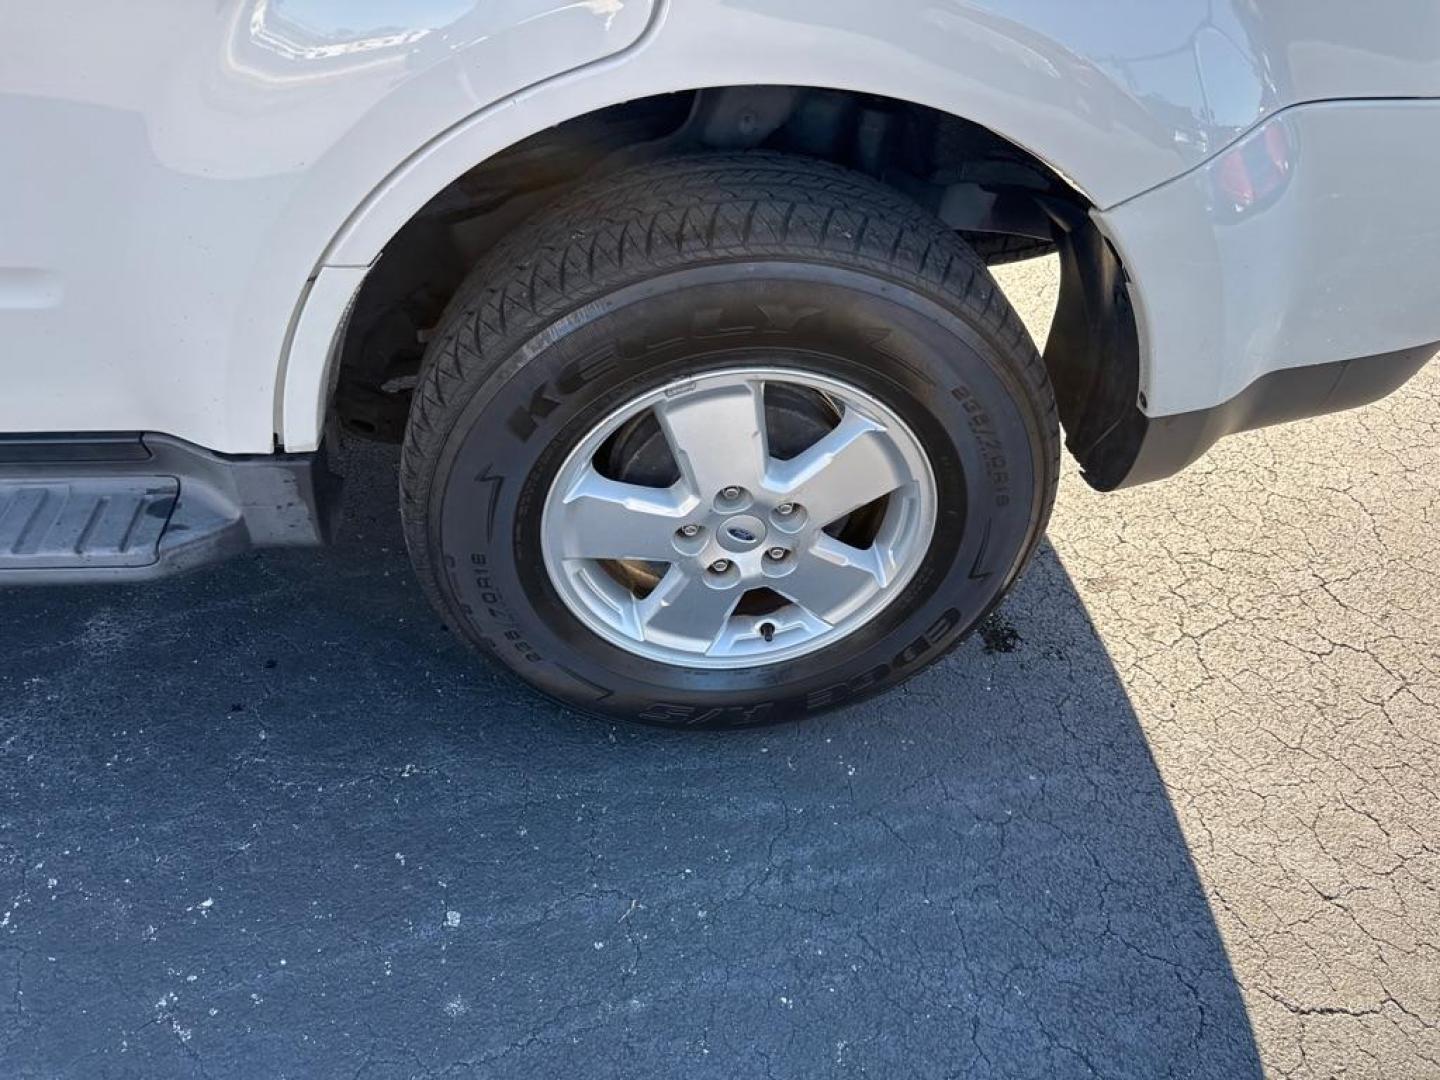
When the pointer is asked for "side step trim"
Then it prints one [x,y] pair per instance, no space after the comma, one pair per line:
[96,521]
[109,508]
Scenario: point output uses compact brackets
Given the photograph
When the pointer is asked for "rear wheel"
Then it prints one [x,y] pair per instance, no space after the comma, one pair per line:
[724,440]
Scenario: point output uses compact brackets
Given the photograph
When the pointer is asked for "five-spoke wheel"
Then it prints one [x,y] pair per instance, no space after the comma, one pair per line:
[743,557]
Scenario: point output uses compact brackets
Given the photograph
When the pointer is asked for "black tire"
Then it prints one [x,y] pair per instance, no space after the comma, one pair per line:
[595,302]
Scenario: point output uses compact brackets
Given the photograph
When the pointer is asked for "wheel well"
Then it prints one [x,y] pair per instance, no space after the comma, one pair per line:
[1007,202]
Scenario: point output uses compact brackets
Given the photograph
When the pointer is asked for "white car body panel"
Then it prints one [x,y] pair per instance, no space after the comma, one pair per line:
[203,186]
[188,165]
[1339,261]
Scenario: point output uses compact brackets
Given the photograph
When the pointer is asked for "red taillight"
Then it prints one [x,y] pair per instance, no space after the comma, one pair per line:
[1256,167]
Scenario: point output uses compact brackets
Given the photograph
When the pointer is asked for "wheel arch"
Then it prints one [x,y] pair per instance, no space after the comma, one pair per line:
[1094,355]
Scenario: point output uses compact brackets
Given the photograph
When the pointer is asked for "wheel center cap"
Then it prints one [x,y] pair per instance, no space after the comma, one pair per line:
[742,532]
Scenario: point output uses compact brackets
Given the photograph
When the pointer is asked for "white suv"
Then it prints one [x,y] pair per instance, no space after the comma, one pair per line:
[711,411]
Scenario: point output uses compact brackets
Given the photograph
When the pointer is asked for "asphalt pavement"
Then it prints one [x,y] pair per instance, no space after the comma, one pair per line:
[1172,813]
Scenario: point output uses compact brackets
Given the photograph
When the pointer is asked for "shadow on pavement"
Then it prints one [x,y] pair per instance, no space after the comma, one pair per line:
[271,820]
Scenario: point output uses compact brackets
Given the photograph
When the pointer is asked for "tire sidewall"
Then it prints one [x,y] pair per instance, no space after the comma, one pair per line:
[949,382]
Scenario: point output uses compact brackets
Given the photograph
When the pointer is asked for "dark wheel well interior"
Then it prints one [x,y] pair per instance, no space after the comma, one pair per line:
[1006,202]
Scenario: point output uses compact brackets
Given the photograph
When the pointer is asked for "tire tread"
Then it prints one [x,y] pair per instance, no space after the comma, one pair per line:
[705,208]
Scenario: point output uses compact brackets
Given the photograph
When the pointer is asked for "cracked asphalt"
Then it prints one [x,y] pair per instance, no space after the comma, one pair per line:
[1172,814]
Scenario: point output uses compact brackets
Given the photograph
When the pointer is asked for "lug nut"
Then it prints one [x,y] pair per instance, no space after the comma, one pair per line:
[785,509]
[730,494]
[777,553]
[689,530]
[719,566]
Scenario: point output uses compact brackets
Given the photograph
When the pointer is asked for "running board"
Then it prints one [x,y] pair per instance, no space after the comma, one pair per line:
[91,521]
[130,508]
